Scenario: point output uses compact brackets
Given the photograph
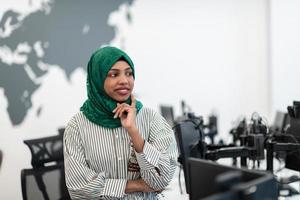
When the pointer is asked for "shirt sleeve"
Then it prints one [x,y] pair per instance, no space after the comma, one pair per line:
[158,159]
[83,182]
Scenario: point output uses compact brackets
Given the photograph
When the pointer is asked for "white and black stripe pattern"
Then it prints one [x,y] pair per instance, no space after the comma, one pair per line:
[96,158]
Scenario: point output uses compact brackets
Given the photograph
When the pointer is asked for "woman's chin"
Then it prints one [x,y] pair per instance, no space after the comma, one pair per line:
[122,99]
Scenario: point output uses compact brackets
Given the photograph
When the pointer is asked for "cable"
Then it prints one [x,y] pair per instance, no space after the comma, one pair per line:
[179,179]
[280,167]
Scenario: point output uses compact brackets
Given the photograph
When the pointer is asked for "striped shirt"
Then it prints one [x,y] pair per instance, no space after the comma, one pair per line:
[96,158]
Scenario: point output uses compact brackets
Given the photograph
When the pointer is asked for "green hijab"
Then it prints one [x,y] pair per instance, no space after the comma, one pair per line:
[99,106]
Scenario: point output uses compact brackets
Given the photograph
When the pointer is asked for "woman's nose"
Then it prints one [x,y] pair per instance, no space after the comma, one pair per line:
[123,79]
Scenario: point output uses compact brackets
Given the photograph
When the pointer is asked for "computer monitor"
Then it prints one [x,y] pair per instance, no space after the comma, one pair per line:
[187,137]
[292,160]
[294,128]
[168,113]
[212,181]
[280,121]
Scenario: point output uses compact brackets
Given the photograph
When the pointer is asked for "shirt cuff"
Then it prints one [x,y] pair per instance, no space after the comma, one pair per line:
[149,158]
[114,188]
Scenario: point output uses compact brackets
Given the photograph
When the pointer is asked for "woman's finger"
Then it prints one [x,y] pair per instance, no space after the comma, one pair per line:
[124,110]
[133,101]
[117,109]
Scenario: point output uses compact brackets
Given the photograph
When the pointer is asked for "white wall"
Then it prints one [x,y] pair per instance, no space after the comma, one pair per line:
[210,53]
[213,54]
[285,32]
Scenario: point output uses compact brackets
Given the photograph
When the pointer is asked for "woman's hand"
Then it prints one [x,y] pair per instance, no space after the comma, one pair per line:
[138,185]
[127,114]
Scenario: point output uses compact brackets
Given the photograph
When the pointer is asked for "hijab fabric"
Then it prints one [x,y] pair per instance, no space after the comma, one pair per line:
[99,106]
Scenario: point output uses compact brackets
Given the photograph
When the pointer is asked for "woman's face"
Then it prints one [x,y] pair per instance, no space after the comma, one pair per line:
[119,81]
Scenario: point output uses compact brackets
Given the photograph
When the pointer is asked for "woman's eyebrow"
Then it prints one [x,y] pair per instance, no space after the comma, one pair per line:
[113,69]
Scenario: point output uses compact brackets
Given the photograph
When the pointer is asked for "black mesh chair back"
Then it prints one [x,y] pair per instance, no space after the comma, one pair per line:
[44,183]
[46,179]
[61,130]
[45,150]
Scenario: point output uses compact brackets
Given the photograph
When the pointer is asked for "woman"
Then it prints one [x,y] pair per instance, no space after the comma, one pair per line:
[115,148]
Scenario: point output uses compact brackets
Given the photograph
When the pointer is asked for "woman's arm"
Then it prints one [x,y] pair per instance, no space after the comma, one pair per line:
[138,185]
[83,182]
[158,159]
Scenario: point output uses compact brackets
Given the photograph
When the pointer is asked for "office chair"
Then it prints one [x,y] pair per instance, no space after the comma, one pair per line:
[45,180]
[61,131]
[45,150]
[44,183]
[187,137]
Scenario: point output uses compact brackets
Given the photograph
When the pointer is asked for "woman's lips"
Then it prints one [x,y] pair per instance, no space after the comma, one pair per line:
[122,91]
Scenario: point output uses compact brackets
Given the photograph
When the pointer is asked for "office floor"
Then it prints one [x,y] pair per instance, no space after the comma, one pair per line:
[173,190]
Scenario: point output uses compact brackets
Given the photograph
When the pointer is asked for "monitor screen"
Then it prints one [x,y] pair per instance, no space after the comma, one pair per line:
[292,160]
[279,122]
[168,113]
[205,182]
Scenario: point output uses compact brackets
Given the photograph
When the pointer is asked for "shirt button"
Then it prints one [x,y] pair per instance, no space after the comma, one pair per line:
[117,136]
[119,158]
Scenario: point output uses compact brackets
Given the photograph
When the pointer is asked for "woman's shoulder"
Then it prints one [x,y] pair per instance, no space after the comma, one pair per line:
[76,118]
[148,111]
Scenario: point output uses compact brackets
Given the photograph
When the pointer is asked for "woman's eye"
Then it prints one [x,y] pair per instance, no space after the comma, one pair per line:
[128,73]
[112,75]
